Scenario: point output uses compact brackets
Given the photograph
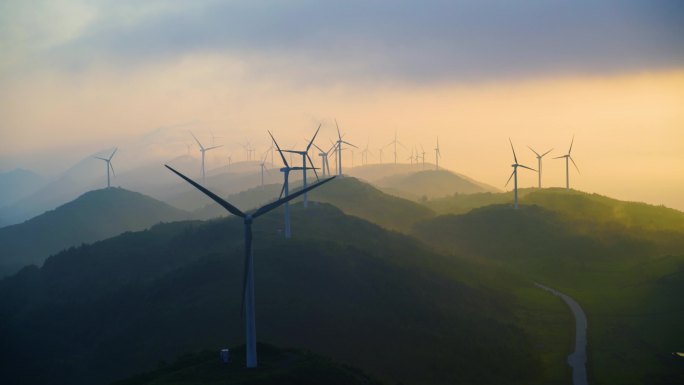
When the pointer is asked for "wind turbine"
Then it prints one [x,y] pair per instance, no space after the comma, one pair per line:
[422,155]
[514,175]
[567,169]
[286,186]
[438,155]
[248,278]
[339,148]
[109,165]
[395,142]
[411,157]
[325,166]
[305,156]
[539,162]
[262,165]
[203,150]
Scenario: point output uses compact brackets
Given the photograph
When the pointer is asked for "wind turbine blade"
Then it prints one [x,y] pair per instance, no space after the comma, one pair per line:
[514,157]
[529,168]
[294,151]
[314,138]
[279,152]
[349,144]
[319,149]
[573,162]
[105,159]
[263,210]
[571,143]
[535,152]
[509,178]
[312,165]
[232,209]
[112,167]
[559,157]
[111,156]
[339,135]
[282,190]
[197,140]
[211,148]
[546,152]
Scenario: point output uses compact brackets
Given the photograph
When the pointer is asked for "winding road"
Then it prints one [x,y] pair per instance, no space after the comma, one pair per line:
[578,359]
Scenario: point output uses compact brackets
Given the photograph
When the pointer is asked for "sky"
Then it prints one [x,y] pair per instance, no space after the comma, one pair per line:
[80,76]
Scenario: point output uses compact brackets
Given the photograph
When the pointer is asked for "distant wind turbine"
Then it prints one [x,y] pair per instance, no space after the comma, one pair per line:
[248,278]
[514,175]
[395,142]
[539,163]
[109,165]
[203,150]
[263,167]
[339,148]
[567,168]
[305,155]
[422,156]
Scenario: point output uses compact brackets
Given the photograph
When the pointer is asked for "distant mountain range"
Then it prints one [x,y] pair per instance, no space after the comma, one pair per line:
[93,216]
[17,184]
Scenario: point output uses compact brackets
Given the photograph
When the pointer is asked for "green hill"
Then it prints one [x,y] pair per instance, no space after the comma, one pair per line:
[342,287]
[93,216]
[623,262]
[572,205]
[276,367]
[351,195]
[429,184]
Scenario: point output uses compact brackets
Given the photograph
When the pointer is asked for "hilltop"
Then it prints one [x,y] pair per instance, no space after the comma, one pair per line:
[429,184]
[93,216]
[350,195]
[276,367]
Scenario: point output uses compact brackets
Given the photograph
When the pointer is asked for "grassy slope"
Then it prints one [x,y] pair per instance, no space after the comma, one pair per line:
[622,261]
[93,216]
[342,287]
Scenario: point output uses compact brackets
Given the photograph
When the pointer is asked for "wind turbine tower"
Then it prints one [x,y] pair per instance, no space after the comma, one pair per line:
[539,163]
[514,175]
[567,168]
[203,150]
[109,166]
[248,278]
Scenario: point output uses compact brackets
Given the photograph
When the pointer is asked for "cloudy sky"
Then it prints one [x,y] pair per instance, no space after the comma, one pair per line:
[474,73]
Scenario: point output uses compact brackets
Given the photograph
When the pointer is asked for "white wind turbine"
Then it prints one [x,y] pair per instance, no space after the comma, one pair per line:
[248,278]
[203,150]
[339,148]
[285,190]
[567,168]
[539,163]
[305,155]
[109,165]
[514,175]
